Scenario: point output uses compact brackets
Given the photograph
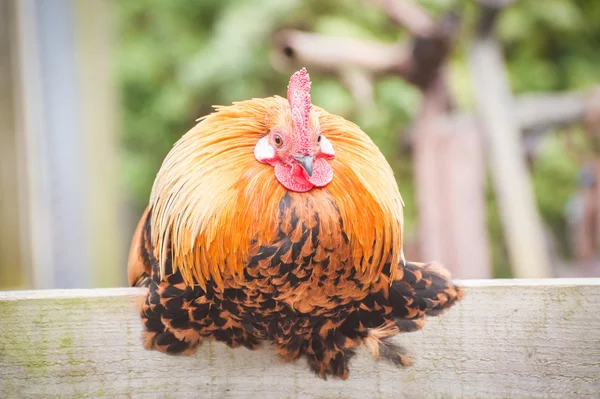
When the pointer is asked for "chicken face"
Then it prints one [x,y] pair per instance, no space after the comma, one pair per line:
[297,150]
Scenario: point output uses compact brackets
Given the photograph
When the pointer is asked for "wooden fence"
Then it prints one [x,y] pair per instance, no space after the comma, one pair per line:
[506,339]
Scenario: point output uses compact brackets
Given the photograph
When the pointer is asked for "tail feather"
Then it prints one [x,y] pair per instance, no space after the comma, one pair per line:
[418,290]
[429,288]
[139,267]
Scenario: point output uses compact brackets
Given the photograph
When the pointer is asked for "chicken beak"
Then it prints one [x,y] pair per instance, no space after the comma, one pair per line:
[306,161]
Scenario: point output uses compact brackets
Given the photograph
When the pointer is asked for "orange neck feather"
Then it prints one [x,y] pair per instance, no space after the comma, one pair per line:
[211,198]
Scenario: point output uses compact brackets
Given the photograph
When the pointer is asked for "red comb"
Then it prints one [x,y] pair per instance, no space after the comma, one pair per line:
[298,95]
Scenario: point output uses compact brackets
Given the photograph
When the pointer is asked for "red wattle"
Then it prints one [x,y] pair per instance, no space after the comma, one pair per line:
[322,173]
[287,176]
[294,178]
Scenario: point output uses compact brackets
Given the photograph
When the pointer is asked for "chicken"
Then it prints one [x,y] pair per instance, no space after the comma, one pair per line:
[273,220]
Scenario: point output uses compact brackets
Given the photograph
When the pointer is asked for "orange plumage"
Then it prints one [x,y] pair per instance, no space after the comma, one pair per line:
[245,251]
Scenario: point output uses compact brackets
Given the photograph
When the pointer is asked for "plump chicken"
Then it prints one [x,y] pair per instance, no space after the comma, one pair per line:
[274,220]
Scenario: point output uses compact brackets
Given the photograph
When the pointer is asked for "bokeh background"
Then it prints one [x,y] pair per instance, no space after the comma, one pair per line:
[488,112]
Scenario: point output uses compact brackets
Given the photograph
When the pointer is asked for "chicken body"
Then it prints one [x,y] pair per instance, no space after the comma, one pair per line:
[232,253]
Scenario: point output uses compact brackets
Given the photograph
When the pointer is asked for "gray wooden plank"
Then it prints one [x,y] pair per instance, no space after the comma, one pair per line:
[506,339]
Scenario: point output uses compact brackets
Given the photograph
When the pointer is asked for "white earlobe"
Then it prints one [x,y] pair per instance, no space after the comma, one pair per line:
[326,147]
[263,152]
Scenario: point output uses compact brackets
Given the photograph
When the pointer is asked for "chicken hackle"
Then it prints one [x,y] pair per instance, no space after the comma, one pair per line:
[273,220]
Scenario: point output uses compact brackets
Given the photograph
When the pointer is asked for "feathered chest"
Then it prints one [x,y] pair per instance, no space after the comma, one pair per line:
[307,262]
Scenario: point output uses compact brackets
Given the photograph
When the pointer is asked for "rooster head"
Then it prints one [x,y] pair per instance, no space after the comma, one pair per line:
[294,145]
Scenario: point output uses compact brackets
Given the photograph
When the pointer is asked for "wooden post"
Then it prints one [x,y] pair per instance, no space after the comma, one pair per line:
[30,119]
[521,221]
[464,182]
[450,183]
[66,137]
[11,230]
[98,121]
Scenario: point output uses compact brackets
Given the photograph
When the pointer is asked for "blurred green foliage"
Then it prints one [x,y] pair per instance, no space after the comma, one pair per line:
[177,58]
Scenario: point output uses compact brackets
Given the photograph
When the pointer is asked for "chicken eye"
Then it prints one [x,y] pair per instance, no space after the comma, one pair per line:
[278,140]
[319,139]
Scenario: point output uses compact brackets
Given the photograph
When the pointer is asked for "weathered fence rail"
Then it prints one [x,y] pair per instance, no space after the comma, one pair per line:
[507,338]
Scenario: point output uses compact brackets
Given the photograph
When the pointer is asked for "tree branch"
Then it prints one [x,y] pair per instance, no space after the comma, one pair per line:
[534,112]
[417,63]
[488,12]
[331,54]
[407,14]
[545,111]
